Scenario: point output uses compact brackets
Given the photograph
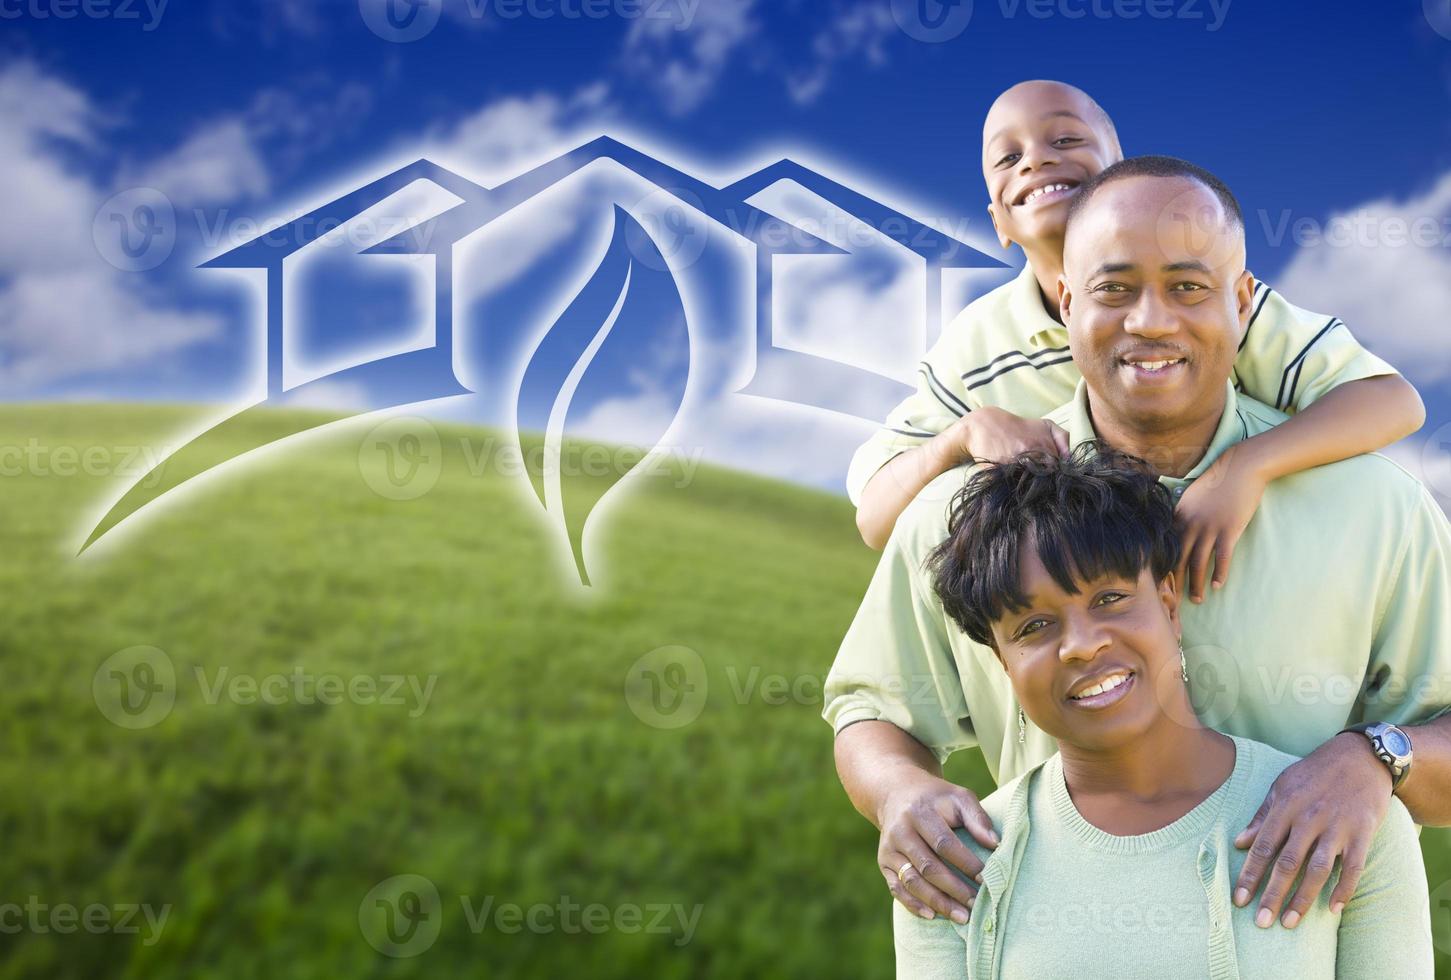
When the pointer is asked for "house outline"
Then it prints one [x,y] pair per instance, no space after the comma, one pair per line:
[428,373]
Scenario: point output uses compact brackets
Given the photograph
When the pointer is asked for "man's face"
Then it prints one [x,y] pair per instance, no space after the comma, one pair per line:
[1040,141]
[1086,667]
[1156,298]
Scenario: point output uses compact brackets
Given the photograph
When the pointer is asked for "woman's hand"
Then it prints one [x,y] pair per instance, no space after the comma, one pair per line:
[917,823]
[991,435]
[1212,515]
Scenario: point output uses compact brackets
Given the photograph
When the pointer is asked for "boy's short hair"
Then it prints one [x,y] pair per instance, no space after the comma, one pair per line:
[1155,166]
[1096,512]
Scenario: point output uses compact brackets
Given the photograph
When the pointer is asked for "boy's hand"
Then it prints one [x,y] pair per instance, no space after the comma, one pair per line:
[1212,514]
[991,435]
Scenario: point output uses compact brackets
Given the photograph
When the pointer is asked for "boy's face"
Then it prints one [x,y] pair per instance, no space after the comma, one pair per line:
[1040,141]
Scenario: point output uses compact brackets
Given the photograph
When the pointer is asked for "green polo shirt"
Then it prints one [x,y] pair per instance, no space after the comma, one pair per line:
[1337,610]
[1004,350]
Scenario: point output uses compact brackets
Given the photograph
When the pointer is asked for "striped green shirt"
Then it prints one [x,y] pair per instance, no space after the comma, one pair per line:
[1004,350]
[1337,610]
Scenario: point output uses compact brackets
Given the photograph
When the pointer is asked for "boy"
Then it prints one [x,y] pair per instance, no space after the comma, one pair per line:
[1004,361]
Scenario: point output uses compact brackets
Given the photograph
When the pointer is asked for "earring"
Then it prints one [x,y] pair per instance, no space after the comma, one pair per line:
[1022,726]
[1183,665]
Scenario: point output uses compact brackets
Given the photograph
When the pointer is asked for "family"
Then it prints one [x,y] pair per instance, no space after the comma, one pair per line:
[1138,551]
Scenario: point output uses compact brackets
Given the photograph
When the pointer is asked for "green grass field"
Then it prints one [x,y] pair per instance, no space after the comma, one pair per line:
[527,778]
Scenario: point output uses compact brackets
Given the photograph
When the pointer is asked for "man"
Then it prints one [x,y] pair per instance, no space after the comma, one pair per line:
[1339,613]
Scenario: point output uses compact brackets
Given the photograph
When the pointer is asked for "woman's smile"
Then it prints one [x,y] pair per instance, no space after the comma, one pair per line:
[1105,690]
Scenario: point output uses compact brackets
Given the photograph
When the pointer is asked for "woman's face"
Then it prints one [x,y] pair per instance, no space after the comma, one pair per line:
[1087,668]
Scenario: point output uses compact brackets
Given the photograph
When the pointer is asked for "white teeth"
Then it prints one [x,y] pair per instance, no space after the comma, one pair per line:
[1105,685]
[1040,191]
[1155,365]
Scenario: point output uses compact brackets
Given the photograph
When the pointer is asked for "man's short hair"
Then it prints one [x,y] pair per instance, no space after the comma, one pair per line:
[1094,513]
[1155,166]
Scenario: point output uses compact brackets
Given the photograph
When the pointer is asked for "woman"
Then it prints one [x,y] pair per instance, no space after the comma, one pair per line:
[1117,855]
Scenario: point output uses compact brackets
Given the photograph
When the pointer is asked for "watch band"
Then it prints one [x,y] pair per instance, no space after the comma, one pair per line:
[1371,730]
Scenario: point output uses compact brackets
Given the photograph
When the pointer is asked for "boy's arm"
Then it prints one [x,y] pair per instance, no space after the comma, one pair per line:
[1294,360]
[988,434]
[1356,417]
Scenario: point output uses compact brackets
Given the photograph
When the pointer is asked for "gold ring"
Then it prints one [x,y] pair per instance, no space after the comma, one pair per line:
[903,870]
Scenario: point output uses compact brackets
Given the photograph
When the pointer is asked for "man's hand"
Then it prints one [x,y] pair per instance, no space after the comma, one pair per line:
[1212,515]
[1328,805]
[991,435]
[917,824]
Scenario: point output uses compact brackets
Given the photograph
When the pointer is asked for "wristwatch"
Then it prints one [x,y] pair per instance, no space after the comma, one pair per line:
[1390,745]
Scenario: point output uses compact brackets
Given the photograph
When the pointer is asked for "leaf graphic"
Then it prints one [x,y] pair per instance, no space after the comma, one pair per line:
[606,345]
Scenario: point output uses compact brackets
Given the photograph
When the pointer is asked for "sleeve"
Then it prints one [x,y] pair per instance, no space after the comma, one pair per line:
[1385,928]
[939,400]
[1289,357]
[895,663]
[1410,654]
[927,949]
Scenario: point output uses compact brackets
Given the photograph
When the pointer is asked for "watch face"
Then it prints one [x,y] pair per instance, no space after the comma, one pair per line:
[1396,742]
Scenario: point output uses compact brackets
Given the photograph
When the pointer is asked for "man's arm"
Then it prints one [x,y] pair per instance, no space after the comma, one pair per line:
[895,782]
[1426,790]
[1328,805]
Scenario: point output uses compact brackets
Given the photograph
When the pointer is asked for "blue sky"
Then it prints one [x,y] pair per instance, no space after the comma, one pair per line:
[244,113]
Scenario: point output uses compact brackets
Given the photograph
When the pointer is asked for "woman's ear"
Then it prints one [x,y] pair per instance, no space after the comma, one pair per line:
[1169,596]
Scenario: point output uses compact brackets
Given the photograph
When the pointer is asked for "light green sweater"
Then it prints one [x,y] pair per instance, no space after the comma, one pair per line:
[1062,898]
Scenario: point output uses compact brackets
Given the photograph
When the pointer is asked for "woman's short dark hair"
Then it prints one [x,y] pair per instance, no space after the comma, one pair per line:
[1094,513]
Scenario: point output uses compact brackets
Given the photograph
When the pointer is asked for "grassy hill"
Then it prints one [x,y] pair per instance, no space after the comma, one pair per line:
[539,770]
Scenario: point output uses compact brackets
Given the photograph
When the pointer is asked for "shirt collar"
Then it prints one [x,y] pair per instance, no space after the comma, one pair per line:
[1027,306]
[1231,430]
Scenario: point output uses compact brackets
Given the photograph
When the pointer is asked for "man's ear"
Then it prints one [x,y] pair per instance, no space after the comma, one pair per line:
[1003,239]
[1065,299]
[1244,295]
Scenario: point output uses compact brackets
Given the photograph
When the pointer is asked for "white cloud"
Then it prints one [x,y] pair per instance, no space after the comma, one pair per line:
[1382,268]
[497,139]
[64,312]
[859,28]
[84,321]
[683,60]
[216,164]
